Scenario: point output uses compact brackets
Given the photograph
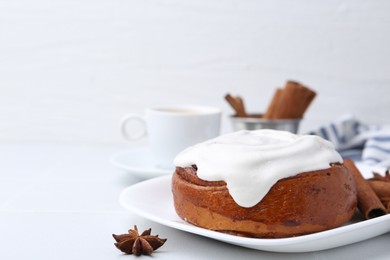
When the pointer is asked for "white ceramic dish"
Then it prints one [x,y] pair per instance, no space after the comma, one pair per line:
[157,205]
[138,162]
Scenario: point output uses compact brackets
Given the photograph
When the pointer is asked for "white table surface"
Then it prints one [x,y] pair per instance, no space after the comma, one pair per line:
[60,201]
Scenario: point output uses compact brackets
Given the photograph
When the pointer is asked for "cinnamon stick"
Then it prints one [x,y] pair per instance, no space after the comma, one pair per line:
[241,106]
[273,106]
[386,203]
[368,202]
[308,96]
[291,102]
[237,104]
[381,188]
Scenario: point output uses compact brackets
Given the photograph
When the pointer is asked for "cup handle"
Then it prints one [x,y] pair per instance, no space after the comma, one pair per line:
[126,120]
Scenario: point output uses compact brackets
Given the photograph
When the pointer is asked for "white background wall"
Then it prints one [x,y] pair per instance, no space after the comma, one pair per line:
[70,69]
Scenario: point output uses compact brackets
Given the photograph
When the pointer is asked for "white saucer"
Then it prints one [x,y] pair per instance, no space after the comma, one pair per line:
[138,162]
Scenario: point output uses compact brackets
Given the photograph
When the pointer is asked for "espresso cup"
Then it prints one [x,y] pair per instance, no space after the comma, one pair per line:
[172,129]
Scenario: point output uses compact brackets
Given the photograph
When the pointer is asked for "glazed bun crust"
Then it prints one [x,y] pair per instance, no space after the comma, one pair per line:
[306,203]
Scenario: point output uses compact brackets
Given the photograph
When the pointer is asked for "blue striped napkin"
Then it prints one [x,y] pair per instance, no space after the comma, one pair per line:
[360,142]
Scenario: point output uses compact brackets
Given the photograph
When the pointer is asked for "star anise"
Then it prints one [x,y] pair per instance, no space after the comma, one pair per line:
[133,243]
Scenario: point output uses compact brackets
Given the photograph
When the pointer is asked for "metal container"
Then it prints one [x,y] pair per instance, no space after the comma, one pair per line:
[257,122]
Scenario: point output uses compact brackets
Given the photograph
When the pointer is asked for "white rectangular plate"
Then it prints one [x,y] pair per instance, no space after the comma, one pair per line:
[153,200]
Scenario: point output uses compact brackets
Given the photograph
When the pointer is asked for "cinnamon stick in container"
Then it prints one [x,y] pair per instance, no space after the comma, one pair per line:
[241,106]
[273,106]
[291,99]
[291,102]
[237,104]
[368,202]
[306,98]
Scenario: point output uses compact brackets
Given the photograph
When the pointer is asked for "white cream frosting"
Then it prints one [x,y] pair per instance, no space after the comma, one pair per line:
[251,162]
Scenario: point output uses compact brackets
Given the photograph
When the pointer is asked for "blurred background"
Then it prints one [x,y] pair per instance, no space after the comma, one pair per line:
[69,70]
